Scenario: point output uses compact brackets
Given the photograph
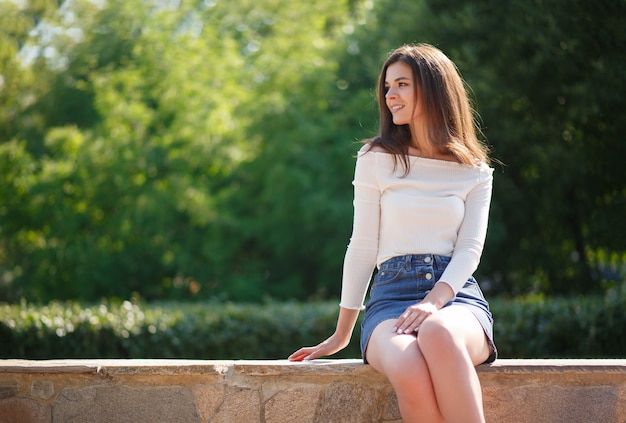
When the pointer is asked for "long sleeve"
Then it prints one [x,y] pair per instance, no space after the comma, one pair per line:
[362,251]
[471,235]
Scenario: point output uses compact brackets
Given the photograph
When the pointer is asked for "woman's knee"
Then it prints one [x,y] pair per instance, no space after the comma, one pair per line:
[409,375]
[401,362]
[395,358]
[436,336]
[406,366]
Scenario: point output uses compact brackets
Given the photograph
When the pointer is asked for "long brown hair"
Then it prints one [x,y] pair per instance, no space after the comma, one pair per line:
[449,115]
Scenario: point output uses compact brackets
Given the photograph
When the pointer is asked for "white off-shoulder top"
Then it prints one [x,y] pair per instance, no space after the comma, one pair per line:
[440,207]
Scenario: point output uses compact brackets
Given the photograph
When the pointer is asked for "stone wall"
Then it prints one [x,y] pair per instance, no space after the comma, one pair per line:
[324,391]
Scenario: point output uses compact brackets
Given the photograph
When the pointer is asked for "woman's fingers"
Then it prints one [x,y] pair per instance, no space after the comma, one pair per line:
[413,317]
[408,322]
[328,347]
[301,354]
[405,321]
[309,353]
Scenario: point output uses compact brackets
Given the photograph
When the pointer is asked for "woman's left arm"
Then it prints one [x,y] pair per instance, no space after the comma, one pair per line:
[471,235]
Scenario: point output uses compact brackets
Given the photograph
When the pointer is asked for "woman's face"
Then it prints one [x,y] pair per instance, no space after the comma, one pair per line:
[400,94]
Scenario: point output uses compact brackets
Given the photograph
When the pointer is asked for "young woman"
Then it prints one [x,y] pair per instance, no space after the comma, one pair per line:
[422,191]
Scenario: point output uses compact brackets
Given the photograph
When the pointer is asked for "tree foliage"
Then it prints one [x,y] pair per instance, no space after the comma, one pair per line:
[174,150]
[190,149]
[547,77]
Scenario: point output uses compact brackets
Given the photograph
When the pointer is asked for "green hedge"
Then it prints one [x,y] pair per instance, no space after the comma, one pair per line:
[576,327]
[125,329]
[531,327]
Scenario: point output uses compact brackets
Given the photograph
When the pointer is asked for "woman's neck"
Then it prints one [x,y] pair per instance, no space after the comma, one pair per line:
[421,146]
[427,150]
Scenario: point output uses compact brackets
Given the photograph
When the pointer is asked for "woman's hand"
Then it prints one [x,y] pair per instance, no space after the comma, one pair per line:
[414,316]
[338,341]
[328,347]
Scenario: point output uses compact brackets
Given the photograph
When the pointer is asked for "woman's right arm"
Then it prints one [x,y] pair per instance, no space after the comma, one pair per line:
[359,262]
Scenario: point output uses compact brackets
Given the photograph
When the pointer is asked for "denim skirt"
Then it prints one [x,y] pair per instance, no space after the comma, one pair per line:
[405,280]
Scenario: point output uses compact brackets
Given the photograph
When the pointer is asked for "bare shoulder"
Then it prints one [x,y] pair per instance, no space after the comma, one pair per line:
[367,147]
[376,149]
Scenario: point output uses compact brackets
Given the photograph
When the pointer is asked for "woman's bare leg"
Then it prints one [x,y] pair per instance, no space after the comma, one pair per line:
[400,359]
[453,342]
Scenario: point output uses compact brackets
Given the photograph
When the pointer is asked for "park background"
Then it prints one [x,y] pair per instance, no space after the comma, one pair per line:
[175,176]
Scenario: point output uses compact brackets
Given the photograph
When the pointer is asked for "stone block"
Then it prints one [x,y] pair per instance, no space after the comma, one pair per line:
[43,389]
[208,399]
[8,388]
[298,404]
[563,404]
[392,412]
[352,403]
[239,405]
[23,410]
[121,404]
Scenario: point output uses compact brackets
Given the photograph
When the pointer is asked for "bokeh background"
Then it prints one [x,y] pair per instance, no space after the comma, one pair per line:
[202,151]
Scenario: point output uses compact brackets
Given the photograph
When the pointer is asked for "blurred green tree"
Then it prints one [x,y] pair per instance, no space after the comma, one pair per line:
[171,141]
